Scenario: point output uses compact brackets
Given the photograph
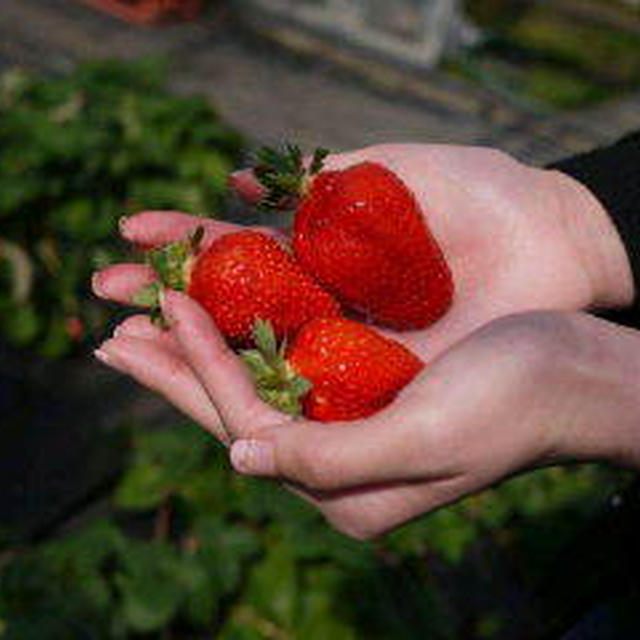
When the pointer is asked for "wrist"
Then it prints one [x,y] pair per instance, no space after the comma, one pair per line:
[595,243]
[596,369]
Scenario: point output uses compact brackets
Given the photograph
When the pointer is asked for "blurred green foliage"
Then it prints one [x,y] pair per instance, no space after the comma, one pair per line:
[187,549]
[76,153]
[543,54]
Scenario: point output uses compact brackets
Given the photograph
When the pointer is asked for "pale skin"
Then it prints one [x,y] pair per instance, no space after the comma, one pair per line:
[518,375]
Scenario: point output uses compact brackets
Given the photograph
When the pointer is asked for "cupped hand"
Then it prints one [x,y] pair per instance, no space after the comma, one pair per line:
[523,391]
[516,238]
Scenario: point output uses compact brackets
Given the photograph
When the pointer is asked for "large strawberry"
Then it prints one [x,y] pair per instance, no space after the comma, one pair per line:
[361,233]
[241,277]
[334,369]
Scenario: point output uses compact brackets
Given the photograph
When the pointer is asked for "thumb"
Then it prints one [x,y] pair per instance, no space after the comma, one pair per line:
[335,456]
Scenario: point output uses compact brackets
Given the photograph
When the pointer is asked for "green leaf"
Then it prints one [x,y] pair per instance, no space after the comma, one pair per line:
[318,619]
[56,340]
[225,550]
[274,586]
[160,193]
[17,193]
[200,596]
[20,323]
[163,461]
[144,486]
[239,628]
[75,218]
[147,585]
[79,150]
[77,565]
[452,533]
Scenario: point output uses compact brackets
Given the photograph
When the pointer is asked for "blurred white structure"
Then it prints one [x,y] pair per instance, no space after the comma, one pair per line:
[418,32]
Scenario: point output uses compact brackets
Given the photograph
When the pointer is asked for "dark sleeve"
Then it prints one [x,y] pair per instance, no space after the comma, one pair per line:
[612,174]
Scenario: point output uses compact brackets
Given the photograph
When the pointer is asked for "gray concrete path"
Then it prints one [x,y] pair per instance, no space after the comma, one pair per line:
[272,96]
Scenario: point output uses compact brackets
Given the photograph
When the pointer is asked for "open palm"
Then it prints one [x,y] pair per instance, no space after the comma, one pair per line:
[516,237]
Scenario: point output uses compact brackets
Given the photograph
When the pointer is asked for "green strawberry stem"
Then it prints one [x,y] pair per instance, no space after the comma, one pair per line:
[276,382]
[171,264]
[282,172]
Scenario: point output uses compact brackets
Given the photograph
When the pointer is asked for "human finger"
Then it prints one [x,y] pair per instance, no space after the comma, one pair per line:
[142,326]
[156,228]
[121,282]
[336,456]
[163,372]
[221,372]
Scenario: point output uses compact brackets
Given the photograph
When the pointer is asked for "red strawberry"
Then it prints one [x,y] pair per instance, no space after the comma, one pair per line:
[361,233]
[241,277]
[335,369]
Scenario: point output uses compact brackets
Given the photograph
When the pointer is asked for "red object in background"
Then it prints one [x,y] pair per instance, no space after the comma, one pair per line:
[149,11]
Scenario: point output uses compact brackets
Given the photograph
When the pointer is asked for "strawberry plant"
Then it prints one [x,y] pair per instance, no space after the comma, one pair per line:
[185,549]
[76,153]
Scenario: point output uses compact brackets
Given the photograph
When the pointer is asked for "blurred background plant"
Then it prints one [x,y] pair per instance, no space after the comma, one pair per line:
[558,55]
[186,549]
[76,153]
[172,544]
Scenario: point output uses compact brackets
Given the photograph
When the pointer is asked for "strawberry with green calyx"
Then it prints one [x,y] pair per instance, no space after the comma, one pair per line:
[171,264]
[276,382]
[284,175]
[334,369]
[239,278]
[361,233]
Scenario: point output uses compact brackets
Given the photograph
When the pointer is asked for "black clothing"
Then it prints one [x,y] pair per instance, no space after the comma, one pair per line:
[612,174]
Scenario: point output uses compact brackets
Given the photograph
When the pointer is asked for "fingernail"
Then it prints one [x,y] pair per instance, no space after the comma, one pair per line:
[96,285]
[120,330]
[107,358]
[254,457]
[122,223]
[103,356]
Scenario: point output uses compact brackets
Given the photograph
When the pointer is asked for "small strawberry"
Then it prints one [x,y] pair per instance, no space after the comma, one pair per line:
[335,369]
[239,278]
[361,233]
